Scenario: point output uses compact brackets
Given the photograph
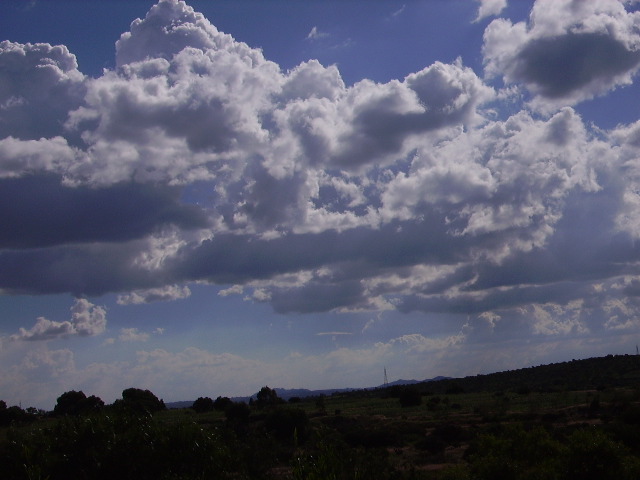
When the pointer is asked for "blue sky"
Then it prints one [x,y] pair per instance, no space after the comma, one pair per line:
[204,198]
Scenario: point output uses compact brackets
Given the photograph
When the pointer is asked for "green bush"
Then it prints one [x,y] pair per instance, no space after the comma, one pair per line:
[118,446]
[288,424]
[332,460]
[516,453]
[593,455]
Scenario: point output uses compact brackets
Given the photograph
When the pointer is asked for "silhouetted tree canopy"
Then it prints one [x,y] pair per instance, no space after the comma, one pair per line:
[267,397]
[9,415]
[140,400]
[203,404]
[91,404]
[69,403]
[222,403]
[77,403]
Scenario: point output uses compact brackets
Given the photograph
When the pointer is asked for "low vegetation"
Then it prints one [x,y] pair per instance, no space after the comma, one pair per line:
[573,420]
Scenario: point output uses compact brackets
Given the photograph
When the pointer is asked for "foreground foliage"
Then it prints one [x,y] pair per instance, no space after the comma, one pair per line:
[118,446]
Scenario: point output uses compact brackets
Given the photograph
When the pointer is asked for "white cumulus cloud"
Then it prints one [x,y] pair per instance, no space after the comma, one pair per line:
[87,319]
[163,294]
[489,8]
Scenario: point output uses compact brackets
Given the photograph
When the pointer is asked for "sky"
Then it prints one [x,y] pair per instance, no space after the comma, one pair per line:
[204,198]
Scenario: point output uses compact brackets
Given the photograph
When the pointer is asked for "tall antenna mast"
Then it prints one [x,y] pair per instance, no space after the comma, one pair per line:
[386,380]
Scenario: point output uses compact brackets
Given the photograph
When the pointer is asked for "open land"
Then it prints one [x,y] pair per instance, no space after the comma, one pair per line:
[577,419]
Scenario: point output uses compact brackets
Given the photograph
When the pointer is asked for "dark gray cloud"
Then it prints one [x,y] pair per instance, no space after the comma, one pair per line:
[318,296]
[558,66]
[271,202]
[494,300]
[42,212]
[585,246]
[568,51]
[231,258]
[91,269]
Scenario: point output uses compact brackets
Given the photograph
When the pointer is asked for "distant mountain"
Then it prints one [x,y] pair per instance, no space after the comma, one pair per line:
[412,382]
[287,393]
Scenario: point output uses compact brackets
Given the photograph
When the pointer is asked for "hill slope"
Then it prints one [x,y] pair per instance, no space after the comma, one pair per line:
[590,373]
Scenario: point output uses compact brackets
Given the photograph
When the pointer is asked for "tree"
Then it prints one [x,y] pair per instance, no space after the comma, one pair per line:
[222,403]
[139,400]
[91,404]
[77,403]
[9,415]
[69,403]
[267,397]
[203,404]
